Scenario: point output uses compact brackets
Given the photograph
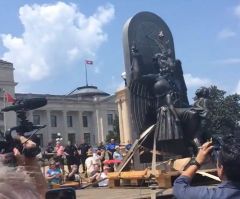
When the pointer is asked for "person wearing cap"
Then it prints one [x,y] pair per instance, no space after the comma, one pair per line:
[117,156]
[102,176]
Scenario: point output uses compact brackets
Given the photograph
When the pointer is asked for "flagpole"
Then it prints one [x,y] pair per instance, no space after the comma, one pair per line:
[4,114]
[86,74]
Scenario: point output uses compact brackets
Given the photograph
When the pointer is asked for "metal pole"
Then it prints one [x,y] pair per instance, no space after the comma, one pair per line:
[86,74]
[4,114]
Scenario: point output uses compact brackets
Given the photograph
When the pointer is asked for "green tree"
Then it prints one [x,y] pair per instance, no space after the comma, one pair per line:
[224,114]
[115,134]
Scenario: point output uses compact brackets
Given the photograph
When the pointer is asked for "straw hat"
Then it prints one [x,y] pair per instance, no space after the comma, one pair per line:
[89,153]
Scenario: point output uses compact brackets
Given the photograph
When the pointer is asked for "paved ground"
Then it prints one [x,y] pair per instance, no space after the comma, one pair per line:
[120,193]
[115,193]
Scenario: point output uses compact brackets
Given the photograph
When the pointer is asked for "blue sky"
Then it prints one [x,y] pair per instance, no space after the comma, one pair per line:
[48,41]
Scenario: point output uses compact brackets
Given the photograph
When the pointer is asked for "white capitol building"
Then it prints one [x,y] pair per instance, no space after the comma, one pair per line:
[87,114]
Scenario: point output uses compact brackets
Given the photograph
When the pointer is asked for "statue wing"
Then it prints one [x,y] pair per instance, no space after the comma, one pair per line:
[143,109]
[180,83]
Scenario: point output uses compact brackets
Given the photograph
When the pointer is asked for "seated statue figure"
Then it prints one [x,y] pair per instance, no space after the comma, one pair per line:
[174,118]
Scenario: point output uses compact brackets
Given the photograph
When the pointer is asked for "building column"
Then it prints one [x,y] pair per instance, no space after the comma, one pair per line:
[48,128]
[99,126]
[64,132]
[30,116]
[125,124]
[121,126]
[77,127]
[81,138]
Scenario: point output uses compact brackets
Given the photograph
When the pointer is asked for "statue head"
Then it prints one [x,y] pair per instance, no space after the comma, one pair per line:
[202,92]
[161,87]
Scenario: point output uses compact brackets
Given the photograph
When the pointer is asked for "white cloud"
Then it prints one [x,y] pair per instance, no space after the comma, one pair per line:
[96,70]
[237,11]
[228,61]
[121,86]
[196,81]
[226,33]
[114,84]
[238,88]
[56,36]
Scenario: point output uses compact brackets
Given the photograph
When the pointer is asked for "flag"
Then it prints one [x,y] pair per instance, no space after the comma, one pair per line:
[9,98]
[89,62]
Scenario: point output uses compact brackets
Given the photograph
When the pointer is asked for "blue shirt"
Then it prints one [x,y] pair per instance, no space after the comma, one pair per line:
[225,190]
[52,172]
[117,156]
[111,147]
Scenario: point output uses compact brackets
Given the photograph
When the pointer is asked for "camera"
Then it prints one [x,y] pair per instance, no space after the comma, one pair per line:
[25,128]
[217,141]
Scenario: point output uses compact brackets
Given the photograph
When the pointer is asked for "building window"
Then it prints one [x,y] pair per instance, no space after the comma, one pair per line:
[69,121]
[85,121]
[40,137]
[53,121]
[36,119]
[54,136]
[110,119]
[72,138]
[87,138]
[1,116]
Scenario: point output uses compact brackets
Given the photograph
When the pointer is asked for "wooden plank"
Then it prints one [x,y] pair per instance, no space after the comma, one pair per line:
[209,175]
[133,174]
[129,175]
[113,175]
[114,183]
[134,148]
[70,184]
[180,164]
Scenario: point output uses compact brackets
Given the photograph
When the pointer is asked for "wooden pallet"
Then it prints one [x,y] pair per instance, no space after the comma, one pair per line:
[165,180]
[206,176]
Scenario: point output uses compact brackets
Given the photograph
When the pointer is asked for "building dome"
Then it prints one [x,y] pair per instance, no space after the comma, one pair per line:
[88,91]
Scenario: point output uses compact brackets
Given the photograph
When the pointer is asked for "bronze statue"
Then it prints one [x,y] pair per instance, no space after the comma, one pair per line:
[158,93]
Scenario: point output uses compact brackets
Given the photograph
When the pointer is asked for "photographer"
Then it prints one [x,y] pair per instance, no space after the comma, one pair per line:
[228,169]
[24,181]
[20,173]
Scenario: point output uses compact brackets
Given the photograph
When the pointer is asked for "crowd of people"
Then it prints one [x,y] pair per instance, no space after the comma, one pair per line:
[93,162]
[26,180]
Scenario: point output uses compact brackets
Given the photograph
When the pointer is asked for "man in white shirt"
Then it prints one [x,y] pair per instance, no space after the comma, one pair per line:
[103,176]
[89,163]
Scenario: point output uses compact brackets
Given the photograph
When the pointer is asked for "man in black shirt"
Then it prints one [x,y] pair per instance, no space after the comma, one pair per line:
[71,153]
[83,149]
